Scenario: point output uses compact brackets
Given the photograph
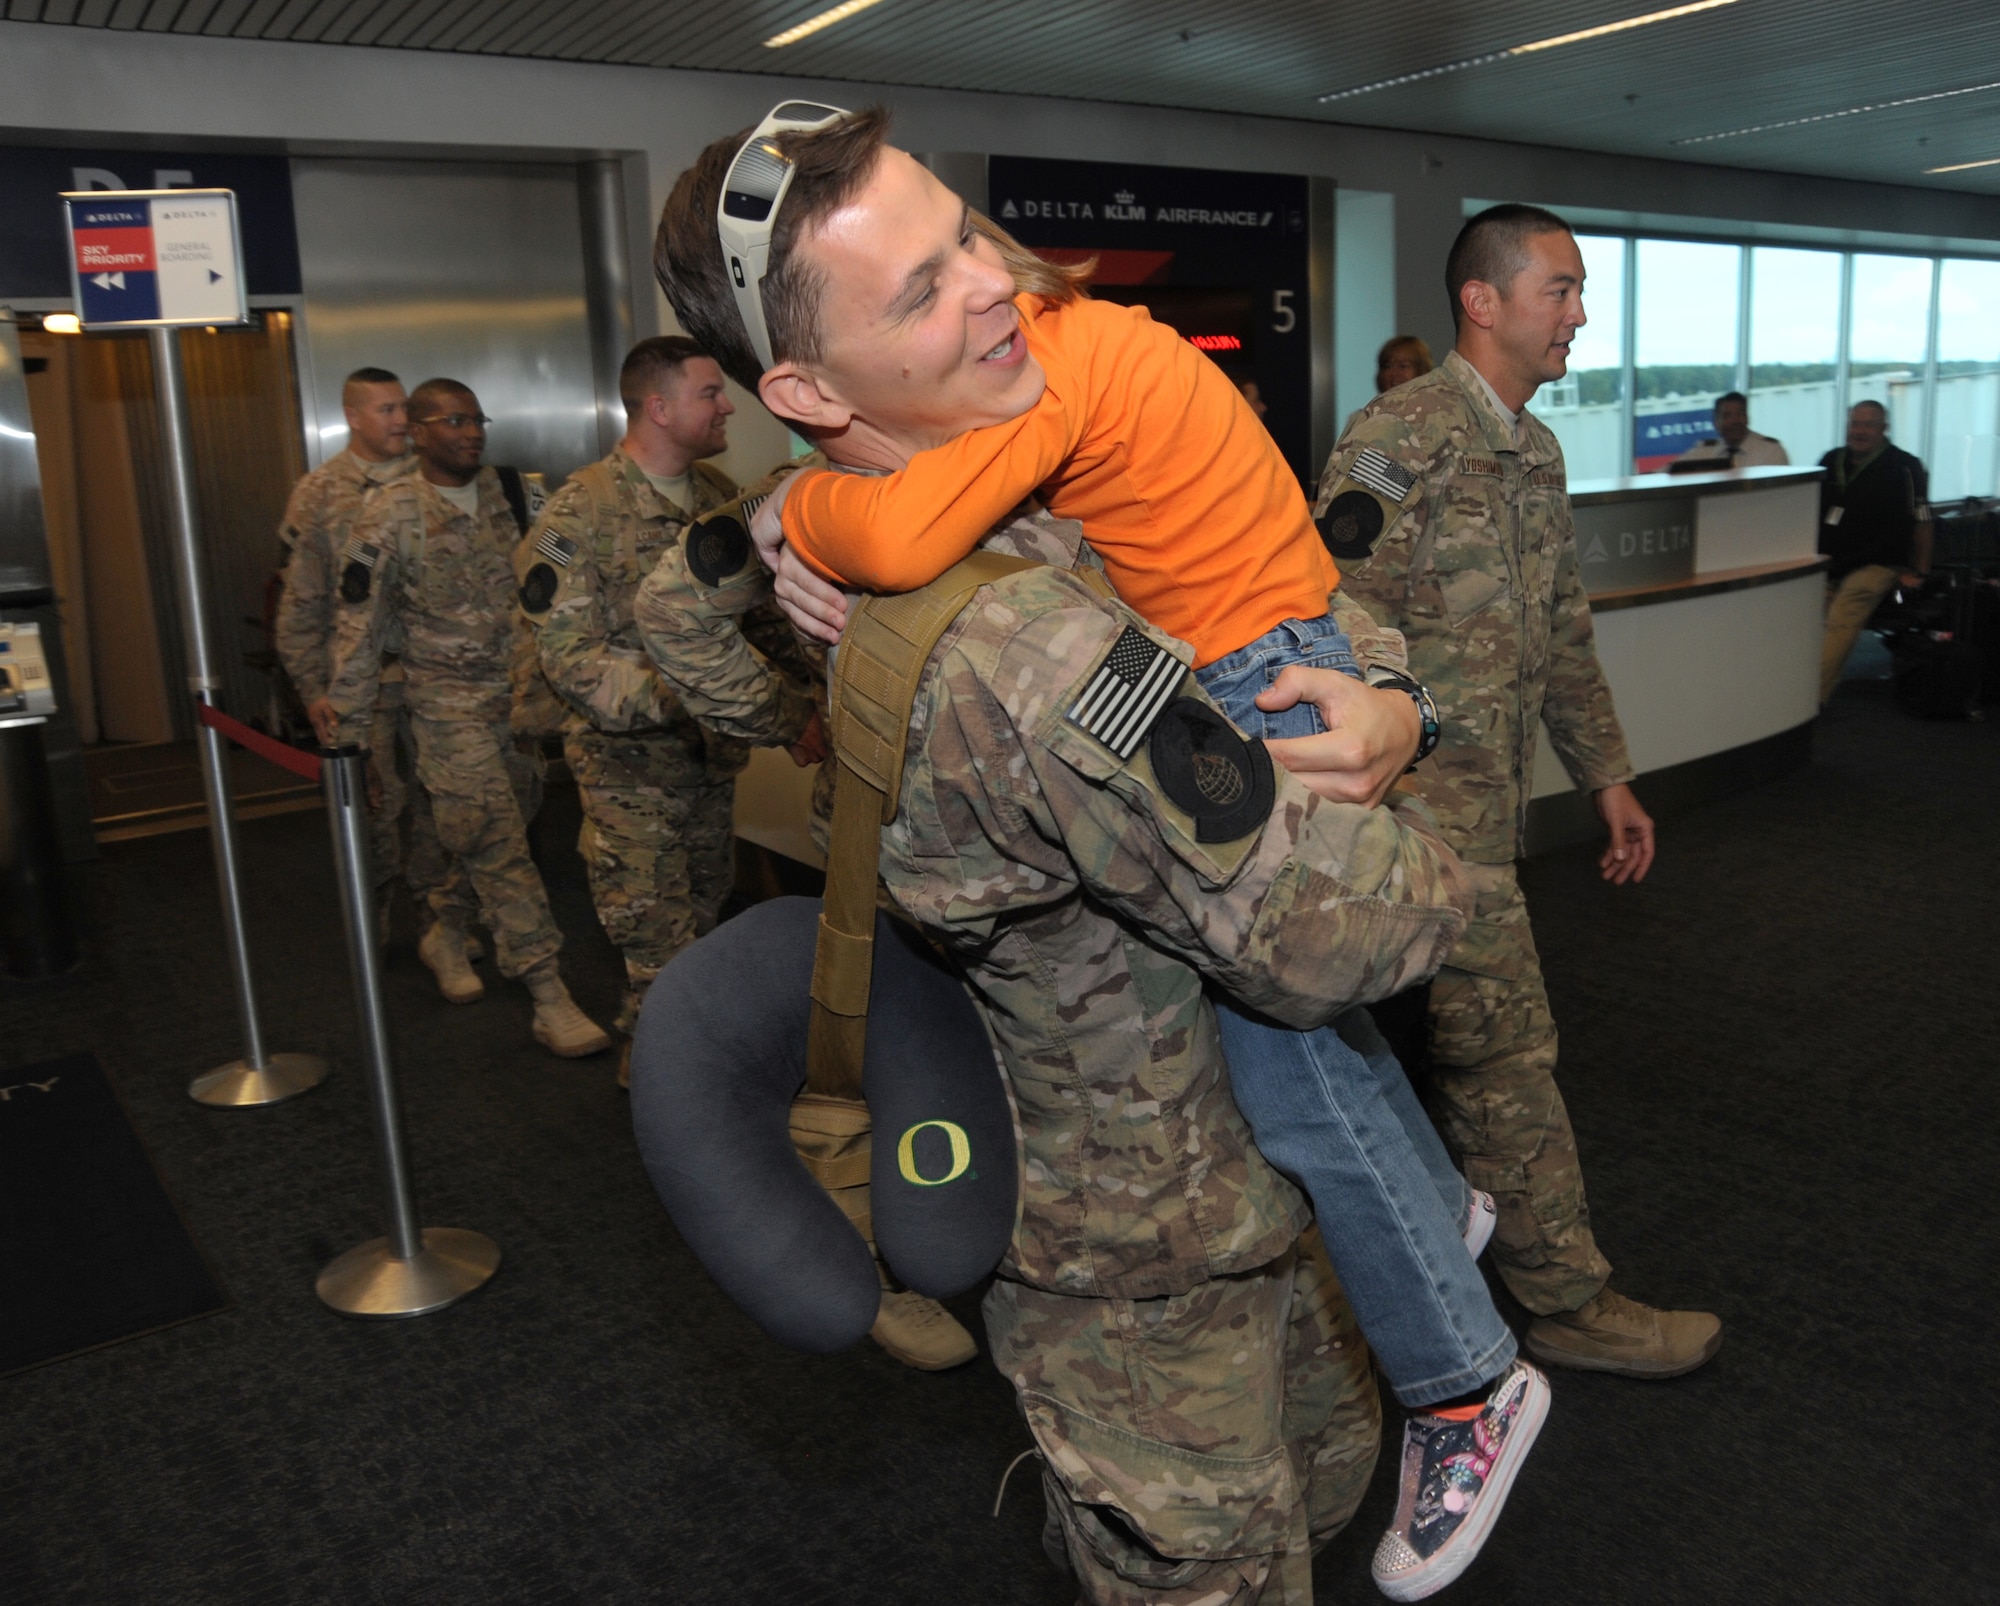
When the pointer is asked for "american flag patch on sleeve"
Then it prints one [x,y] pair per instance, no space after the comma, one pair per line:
[1374,471]
[558,549]
[1136,680]
[359,551]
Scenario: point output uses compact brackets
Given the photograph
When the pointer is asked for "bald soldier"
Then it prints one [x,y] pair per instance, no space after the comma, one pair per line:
[657,792]
[1446,506]
[1183,1358]
[430,560]
[317,520]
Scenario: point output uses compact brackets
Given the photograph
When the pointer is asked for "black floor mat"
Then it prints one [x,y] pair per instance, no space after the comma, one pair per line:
[94,1249]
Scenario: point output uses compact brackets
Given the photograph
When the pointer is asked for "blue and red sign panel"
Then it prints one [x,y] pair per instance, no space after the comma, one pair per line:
[117,276]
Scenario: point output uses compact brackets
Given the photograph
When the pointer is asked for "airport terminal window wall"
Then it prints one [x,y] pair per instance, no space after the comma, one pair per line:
[1803,332]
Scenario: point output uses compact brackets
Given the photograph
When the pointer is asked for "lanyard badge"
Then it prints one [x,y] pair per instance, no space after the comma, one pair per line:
[752,192]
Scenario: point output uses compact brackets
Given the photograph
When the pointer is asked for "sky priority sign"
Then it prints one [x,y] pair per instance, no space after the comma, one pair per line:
[153,258]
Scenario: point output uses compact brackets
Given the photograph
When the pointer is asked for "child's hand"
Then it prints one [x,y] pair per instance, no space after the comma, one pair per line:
[767,530]
[817,610]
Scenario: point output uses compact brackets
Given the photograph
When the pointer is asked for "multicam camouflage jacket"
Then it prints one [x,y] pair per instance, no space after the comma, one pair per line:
[1458,533]
[414,562]
[709,625]
[580,569]
[318,516]
[1081,828]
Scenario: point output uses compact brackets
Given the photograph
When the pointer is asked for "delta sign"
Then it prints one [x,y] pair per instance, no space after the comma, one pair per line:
[155,257]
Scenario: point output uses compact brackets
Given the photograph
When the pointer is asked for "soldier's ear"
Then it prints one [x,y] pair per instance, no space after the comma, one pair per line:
[1480,301]
[796,394]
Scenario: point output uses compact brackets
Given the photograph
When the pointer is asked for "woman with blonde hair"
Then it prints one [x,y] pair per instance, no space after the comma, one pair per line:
[1401,359]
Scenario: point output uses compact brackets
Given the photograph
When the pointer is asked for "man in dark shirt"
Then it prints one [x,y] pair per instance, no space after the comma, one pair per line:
[1874,523]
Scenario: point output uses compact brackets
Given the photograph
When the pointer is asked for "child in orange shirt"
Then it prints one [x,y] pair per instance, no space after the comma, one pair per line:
[1204,533]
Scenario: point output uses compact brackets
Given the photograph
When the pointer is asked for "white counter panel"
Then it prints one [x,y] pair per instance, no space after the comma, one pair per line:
[1756,527]
[1704,675]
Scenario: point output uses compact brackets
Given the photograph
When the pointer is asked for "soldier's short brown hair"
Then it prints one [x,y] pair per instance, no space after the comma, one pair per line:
[1493,247]
[830,165]
[650,367]
[833,163]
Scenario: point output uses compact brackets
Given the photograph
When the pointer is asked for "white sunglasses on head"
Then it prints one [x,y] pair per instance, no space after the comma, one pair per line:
[752,192]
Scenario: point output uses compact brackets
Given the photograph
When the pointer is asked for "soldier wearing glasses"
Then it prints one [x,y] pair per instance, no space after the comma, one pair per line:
[430,557]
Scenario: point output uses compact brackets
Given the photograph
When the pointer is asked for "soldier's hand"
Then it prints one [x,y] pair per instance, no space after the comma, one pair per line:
[1630,855]
[320,713]
[1371,735]
[818,611]
[811,747]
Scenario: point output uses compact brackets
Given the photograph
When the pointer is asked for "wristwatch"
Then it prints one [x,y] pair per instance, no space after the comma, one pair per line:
[1383,678]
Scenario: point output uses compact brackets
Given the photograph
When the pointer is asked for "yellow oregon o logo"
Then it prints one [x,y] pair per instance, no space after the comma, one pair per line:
[961,1154]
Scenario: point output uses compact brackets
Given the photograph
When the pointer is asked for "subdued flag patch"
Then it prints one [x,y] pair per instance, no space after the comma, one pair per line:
[1137,679]
[1375,471]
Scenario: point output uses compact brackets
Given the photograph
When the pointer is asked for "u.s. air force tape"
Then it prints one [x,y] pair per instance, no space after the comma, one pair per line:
[1137,679]
[1370,492]
[1209,771]
[718,543]
[358,560]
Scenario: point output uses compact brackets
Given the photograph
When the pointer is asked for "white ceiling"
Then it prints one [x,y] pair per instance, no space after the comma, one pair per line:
[1647,92]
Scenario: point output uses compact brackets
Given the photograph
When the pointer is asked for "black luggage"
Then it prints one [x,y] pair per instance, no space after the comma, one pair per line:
[1947,649]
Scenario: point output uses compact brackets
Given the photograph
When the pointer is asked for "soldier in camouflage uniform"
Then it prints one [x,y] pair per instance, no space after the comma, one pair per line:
[317,519]
[657,793]
[430,556]
[1446,505]
[1091,856]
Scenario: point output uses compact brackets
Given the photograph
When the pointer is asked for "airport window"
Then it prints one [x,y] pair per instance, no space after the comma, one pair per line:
[1795,349]
[1965,440]
[1805,333]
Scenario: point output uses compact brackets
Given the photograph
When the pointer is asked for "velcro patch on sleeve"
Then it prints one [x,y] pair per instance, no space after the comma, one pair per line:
[1120,701]
[539,589]
[718,544]
[558,549]
[1210,771]
[1370,492]
[357,572]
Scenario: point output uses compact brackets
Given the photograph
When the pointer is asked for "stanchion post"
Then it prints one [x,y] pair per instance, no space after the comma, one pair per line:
[256,1078]
[411,1269]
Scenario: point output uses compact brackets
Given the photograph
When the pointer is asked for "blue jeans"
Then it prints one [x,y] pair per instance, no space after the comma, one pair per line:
[1333,1110]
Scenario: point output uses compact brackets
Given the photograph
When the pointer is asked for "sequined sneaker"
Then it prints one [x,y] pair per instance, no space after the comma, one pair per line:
[1457,1470]
[1480,1217]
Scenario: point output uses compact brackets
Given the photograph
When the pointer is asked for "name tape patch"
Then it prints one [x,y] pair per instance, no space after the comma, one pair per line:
[1137,679]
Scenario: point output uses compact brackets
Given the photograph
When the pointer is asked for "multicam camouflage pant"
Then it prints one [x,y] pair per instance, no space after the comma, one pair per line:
[1199,1448]
[481,786]
[1494,1098]
[655,839]
[436,881]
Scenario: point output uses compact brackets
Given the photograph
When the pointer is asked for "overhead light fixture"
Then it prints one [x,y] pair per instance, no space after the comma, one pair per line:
[63,323]
[812,25]
[1508,54]
[1960,167]
[1827,117]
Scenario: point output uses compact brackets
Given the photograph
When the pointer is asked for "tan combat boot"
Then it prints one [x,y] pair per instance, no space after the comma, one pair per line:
[1616,1334]
[560,1027]
[443,950]
[921,1333]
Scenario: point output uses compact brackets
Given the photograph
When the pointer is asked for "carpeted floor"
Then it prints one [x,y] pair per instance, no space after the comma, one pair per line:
[1779,1053]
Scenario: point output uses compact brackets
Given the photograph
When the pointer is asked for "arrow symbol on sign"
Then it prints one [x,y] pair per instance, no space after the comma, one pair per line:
[108,281]
[214,277]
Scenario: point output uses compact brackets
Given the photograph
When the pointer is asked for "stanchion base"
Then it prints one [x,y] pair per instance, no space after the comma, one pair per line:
[241,1085]
[369,1281]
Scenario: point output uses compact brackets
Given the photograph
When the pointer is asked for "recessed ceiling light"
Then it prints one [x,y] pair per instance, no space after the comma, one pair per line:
[1827,117]
[1960,167]
[812,25]
[1528,49]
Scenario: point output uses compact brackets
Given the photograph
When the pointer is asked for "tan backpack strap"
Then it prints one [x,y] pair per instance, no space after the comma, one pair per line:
[883,650]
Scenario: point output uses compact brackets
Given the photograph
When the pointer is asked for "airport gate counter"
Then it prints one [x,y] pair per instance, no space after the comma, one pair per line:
[1707,594]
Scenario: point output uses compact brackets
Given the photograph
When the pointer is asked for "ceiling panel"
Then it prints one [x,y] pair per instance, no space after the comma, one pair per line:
[1782,80]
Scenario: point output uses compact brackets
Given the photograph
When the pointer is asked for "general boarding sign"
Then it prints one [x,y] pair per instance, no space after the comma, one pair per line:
[148,258]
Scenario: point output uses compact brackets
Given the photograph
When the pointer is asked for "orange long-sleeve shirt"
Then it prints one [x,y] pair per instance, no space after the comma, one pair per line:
[1140,438]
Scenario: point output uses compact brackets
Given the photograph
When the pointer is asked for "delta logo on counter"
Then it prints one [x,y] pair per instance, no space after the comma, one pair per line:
[156,257]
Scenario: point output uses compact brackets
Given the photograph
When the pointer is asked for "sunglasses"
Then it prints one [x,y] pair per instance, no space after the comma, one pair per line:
[752,192]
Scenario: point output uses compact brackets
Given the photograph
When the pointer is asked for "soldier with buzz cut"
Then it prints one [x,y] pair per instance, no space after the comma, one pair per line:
[429,561]
[1446,505]
[318,517]
[657,792]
